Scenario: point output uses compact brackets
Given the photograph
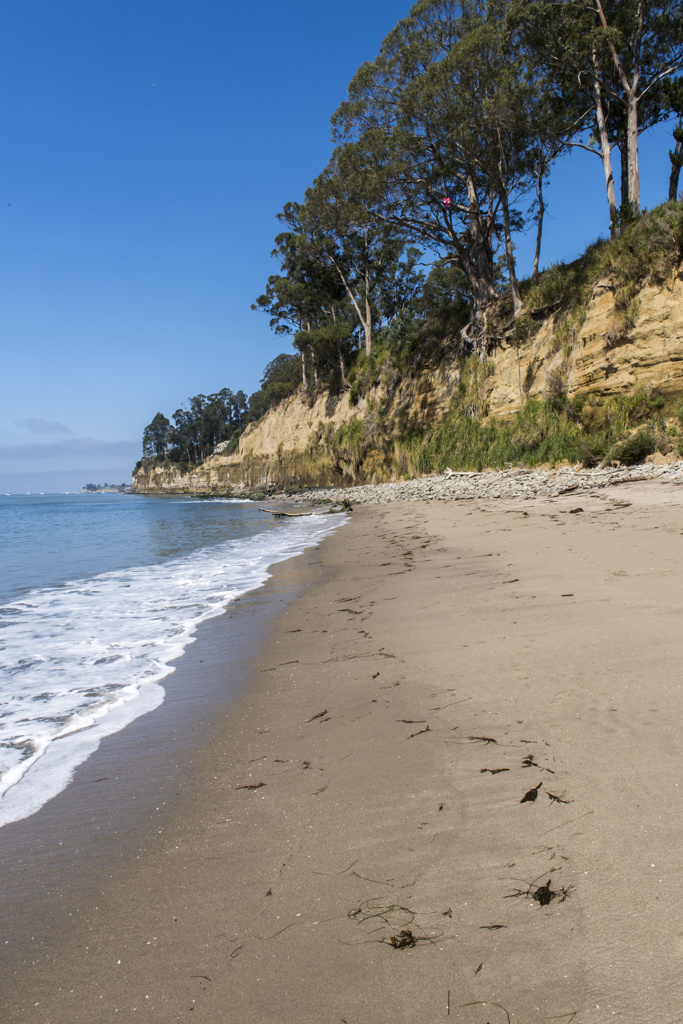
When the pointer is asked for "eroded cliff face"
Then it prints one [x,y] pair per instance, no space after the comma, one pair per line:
[277,451]
[610,353]
[284,449]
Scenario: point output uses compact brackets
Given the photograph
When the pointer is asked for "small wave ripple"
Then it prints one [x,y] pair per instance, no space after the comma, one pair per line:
[82,660]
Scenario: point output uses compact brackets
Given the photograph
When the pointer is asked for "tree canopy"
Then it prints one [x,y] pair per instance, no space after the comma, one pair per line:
[447,138]
[442,151]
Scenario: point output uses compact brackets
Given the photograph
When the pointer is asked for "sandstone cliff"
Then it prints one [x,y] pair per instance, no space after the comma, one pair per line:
[301,442]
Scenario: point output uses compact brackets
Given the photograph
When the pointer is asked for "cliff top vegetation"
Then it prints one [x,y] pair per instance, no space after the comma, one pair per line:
[405,244]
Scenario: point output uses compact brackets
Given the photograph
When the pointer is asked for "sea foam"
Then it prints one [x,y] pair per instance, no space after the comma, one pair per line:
[82,660]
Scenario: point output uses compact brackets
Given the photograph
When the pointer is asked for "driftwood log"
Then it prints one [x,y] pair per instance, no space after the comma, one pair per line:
[291,515]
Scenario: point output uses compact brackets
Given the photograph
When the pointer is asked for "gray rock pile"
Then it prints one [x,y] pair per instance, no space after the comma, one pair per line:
[506,483]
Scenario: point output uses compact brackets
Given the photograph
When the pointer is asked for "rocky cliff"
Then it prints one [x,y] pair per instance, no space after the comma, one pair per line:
[606,351]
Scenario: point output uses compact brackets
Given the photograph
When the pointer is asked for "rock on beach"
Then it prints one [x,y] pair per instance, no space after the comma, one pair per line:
[505,483]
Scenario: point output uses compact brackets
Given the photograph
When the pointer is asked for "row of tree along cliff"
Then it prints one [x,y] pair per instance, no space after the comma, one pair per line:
[400,265]
[595,362]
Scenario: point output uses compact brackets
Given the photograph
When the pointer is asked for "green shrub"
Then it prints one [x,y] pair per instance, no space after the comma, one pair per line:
[594,450]
[627,411]
[635,448]
[556,284]
[550,431]
[535,434]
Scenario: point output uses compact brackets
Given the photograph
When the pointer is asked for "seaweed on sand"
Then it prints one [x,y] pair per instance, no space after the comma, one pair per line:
[543,894]
[391,916]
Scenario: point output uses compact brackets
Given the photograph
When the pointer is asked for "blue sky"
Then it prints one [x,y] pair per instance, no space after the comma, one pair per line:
[146,147]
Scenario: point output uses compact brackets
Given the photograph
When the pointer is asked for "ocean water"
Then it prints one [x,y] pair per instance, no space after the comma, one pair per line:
[98,594]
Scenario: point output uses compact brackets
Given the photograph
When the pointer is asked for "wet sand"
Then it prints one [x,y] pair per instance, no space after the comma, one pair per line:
[352,842]
[57,865]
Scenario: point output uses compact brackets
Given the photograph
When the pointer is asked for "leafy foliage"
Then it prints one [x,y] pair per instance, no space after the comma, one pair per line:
[542,432]
[443,147]
[281,378]
[197,428]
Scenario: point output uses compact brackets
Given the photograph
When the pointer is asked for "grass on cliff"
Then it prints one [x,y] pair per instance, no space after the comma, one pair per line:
[648,251]
[626,428]
[399,350]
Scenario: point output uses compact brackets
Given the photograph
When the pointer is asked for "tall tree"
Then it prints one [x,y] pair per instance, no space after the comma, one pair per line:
[615,54]
[155,438]
[405,149]
[281,378]
[198,428]
[645,43]
[444,130]
[335,228]
[306,297]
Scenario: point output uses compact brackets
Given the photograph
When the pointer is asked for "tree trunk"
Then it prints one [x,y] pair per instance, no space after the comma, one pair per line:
[630,94]
[365,322]
[605,152]
[482,285]
[623,153]
[632,153]
[675,174]
[676,157]
[342,367]
[539,230]
[519,374]
[509,253]
[368,312]
[303,370]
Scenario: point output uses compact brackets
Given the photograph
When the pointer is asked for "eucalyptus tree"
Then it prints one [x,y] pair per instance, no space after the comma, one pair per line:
[239,409]
[307,297]
[330,347]
[289,303]
[200,426]
[502,115]
[281,378]
[155,437]
[406,153]
[645,43]
[445,299]
[338,241]
[443,131]
[612,56]
[479,95]
[369,259]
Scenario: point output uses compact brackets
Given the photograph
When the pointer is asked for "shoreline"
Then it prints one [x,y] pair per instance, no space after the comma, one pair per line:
[58,861]
[368,785]
[93,643]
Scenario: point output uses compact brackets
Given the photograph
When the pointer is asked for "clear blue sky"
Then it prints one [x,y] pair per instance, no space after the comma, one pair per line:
[147,146]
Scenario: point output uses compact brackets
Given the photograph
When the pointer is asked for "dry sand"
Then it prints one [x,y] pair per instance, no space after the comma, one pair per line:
[392,711]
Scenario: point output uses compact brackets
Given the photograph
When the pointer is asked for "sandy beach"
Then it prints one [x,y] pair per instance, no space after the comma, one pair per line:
[452,788]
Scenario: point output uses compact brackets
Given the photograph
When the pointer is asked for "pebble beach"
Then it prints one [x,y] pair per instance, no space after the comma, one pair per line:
[504,483]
